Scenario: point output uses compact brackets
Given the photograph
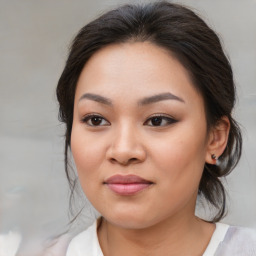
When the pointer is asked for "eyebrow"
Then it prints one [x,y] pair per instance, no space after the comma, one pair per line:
[160,97]
[142,102]
[97,98]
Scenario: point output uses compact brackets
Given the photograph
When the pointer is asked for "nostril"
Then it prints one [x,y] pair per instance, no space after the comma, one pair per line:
[113,160]
[128,161]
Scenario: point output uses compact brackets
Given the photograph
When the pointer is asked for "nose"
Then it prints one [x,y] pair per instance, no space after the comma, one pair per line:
[126,147]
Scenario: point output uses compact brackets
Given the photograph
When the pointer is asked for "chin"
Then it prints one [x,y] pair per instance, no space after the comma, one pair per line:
[131,221]
[131,224]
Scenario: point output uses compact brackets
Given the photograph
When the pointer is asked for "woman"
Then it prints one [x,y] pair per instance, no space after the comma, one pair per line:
[146,96]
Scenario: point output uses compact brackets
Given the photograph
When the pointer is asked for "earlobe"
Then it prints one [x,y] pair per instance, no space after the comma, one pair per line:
[218,139]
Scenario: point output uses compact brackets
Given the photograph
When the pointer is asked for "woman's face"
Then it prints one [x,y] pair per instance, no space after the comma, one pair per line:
[139,136]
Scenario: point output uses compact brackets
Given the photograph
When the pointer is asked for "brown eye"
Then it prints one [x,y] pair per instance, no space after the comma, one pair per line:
[95,120]
[156,121]
[160,121]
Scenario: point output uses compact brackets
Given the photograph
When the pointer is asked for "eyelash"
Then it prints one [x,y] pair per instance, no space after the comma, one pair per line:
[169,120]
[89,117]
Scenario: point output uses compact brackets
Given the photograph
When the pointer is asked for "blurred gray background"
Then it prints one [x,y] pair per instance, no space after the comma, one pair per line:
[34,39]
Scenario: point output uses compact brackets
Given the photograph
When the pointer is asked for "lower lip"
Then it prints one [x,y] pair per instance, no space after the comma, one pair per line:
[128,189]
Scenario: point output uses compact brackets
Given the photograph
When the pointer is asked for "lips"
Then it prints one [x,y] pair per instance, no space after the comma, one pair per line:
[127,184]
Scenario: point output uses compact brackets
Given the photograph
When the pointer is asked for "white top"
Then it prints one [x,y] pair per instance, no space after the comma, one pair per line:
[85,243]
[226,240]
[9,243]
[217,237]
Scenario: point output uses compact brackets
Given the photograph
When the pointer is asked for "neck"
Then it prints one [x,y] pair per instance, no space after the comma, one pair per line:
[179,235]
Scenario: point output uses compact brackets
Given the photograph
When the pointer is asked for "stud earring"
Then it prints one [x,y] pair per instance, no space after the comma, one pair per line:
[214,157]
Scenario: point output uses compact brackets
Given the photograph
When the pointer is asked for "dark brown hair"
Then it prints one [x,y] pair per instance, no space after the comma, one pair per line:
[193,43]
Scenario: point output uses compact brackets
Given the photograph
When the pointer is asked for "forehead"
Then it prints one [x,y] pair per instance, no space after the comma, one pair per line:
[134,70]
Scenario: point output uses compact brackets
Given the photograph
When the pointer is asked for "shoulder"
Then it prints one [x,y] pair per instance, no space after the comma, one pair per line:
[238,241]
[85,243]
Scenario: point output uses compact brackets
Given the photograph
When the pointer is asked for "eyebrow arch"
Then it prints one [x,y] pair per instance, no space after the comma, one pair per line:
[160,97]
[97,98]
[142,102]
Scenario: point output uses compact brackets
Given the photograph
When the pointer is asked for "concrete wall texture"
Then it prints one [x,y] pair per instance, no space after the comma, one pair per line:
[35,36]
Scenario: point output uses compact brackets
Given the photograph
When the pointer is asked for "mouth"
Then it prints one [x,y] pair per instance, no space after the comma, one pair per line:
[127,185]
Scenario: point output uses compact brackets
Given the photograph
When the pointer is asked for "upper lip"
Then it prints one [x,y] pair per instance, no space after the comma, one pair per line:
[126,179]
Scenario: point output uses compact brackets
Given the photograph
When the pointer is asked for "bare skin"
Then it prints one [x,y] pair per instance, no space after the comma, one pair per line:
[162,239]
[136,112]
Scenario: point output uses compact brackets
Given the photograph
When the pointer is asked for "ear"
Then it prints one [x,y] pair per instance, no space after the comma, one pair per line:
[217,140]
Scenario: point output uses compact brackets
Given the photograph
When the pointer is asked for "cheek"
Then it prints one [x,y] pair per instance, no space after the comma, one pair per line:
[87,154]
[181,155]
[179,166]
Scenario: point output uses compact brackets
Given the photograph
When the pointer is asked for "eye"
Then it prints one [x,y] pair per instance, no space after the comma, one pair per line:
[160,120]
[95,120]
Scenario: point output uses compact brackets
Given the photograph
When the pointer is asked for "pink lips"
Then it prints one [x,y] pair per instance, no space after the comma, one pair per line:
[127,185]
